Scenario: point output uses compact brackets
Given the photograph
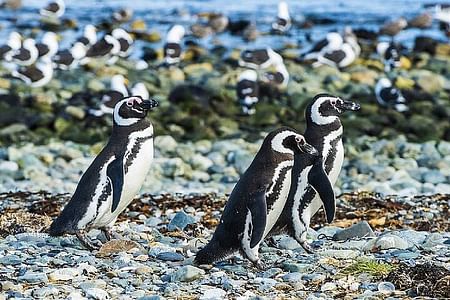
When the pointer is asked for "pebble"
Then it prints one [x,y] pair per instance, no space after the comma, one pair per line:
[180,221]
[386,287]
[31,277]
[97,293]
[358,230]
[213,294]
[170,256]
[386,242]
[187,273]
[63,274]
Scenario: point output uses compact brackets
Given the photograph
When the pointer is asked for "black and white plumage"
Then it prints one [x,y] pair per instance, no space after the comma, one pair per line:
[118,91]
[89,36]
[247,91]
[122,15]
[172,47]
[69,58]
[259,58]
[341,57]
[389,96]
[350,38]
[114,177]
[283,22]
[332,41]
[324,132]
[279,77]
[54,9]
[13,44]
[257,200]
[107,46]
[25,55]
[36,75]
[125,41]
[390,54]
[48,45]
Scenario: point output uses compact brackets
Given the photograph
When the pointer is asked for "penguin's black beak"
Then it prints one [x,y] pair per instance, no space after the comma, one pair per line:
[307,148]
[149,104]
[345,105]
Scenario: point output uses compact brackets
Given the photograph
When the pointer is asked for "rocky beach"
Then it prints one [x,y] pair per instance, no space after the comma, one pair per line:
[391,235]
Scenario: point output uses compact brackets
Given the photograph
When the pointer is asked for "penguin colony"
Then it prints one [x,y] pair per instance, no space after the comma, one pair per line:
[37,61]
[290,178]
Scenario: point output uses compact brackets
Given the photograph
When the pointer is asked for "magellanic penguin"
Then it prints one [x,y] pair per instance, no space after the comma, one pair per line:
[283,22]
[257,200]
[115,175]
[54,9]
[247,91]
[172,47]
[324,132]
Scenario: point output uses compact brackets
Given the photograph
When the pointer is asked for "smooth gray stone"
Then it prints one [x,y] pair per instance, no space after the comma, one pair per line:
[358,230]
[180,221]
[170,256]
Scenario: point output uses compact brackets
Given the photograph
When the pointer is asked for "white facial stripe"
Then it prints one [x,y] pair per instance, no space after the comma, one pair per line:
[317,117]
[123,121]
[277,142]
[327,142]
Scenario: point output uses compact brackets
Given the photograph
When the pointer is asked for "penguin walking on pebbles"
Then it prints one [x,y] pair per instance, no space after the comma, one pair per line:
[115,175]
[389,96]
[312,191]
[259,58]
[70,58]
[26,55]
[48,46]
[247,91]
[257,200]
[125,41]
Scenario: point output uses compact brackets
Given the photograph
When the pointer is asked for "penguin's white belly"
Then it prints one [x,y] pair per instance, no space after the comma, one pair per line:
[278,205]
[133,180]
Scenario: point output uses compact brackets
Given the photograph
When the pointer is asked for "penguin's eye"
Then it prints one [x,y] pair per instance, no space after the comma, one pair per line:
[129,104]
[299,140]
[333,102]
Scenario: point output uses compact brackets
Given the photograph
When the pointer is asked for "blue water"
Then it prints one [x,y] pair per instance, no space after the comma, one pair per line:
[161,14]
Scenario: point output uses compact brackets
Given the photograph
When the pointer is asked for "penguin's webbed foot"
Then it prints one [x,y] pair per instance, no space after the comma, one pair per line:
[86,242]
[307,247]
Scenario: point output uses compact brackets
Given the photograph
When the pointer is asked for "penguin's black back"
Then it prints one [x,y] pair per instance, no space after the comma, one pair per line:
[256,178]
[73,212]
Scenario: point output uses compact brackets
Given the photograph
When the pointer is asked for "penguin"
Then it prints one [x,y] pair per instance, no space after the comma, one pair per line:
[278,78]
[172,48]
[341,57]
[122,15]
[36,75]
[69,58]
[125,41]
[259,58]
[118,91]
[89,36]
[308,177]
[388,96]
[283,22]
[332,41]
[247,91]
[390,54]
[114,177]
[257,199]
[106,47]
[48,45]
[53,9]
[311,191]
[13,44]
[26,55]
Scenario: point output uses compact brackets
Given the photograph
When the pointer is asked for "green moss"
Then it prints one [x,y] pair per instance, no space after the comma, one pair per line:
[372,267]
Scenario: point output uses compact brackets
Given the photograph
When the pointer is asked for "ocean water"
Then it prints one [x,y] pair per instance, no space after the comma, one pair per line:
[161,14]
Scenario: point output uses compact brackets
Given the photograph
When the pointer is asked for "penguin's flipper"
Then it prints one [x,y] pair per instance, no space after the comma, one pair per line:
[320,182]
[115,175]
[258,208]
